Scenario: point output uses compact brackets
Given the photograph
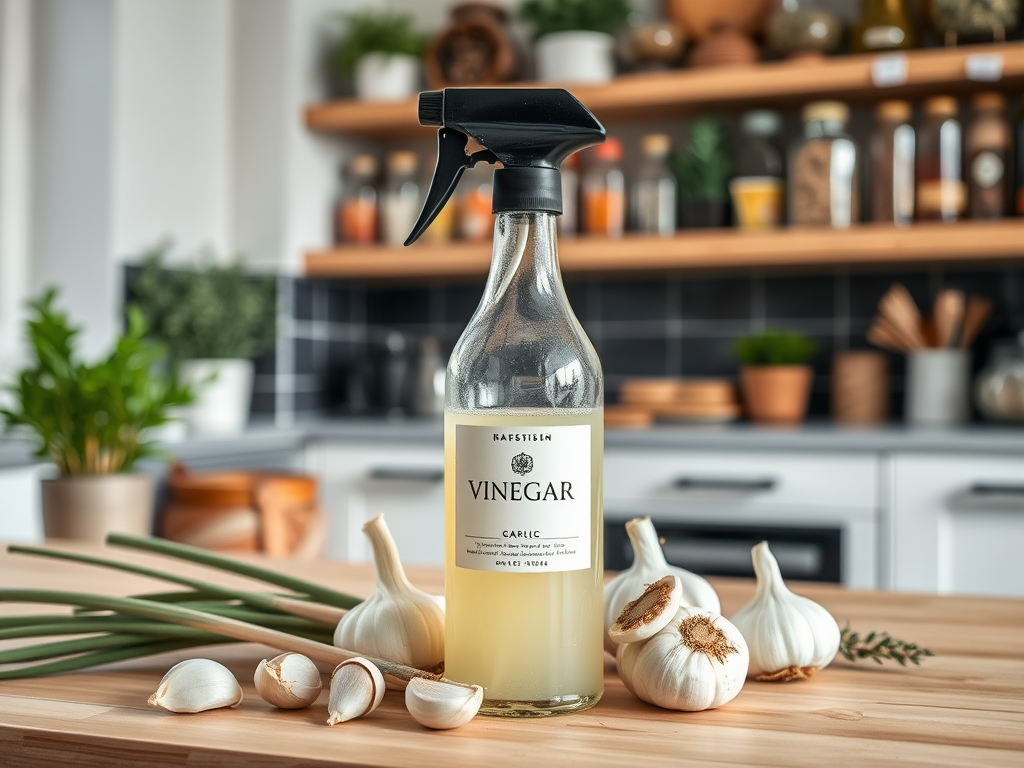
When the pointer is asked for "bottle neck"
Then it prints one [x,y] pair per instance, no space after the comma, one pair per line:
[525,257]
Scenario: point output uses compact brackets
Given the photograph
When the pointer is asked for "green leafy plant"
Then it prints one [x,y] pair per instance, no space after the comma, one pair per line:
[703,166]
[377,32]
[775,348]
[879,647]
[91,419]
[549,16]
[207,312]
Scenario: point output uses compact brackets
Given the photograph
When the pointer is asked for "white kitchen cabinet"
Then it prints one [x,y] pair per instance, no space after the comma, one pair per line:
[958,524]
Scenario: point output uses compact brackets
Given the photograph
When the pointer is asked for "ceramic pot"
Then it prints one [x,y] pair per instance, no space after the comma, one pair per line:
[223,395]
[776,393]
[698,18]
[477,48]
[575,57]
[387,77]
[88,507]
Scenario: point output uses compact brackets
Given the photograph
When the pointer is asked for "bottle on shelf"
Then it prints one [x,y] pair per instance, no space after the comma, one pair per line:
[523,422]
[884,25]
[568,223]
[401,198]
[824,169]
[1019,129]
[356,215]
[655,189]
[757,189]
[941,195]
[892,164]
[604,191]
[987,147]
[475,219]
[442,228]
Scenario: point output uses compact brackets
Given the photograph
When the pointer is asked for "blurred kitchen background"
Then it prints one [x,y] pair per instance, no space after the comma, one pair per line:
[800,256]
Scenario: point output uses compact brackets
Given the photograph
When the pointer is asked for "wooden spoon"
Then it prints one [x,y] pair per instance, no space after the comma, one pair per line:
[899,308]
[949,314]
[975,316]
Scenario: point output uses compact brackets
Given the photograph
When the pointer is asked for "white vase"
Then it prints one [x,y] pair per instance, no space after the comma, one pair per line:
[575,57]
[88,507]
[223,394]
[387,77]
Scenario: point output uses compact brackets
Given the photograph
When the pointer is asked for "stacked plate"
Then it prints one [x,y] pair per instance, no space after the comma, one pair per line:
[691,400]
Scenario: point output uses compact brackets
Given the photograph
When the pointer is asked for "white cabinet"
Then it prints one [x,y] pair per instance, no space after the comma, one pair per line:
[958,524]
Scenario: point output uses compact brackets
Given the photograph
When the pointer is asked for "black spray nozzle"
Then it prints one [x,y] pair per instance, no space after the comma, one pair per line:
[530,131]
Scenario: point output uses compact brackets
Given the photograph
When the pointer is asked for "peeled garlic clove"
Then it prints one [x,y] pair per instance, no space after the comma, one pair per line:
[357,688]
[649,565]
[790,637]
[288,681]
[441,705]
[645,616]
[197,685]
[696,661]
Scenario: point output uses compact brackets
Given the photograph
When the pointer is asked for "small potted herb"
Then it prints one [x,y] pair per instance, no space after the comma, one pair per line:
[775,378]
[382,51]
[91,420]
[703,167]
[213,320]
[574,38]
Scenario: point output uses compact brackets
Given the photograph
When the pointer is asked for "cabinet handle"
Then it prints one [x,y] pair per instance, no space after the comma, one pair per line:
[724,484]
[407,474]
[996,489]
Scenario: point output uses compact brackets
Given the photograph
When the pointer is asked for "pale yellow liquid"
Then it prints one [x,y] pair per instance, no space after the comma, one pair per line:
[532,640]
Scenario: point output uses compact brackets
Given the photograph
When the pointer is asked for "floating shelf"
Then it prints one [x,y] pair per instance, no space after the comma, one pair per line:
[678,92]
[697,249]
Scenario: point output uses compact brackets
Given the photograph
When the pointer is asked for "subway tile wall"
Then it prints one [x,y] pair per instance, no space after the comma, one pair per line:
[333,331]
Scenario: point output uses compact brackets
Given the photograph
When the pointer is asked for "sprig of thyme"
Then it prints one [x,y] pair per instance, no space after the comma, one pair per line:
[879,646]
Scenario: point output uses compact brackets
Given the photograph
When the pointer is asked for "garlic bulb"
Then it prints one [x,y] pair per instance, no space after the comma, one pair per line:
[697,661]
[789,636]
[397,622]
[288,681]
[441,705]
[197,685]
[357,688]
[649,565]
[649,613]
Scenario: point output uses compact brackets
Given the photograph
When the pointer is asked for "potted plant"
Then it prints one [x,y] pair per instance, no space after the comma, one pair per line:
[382,50]
[213,320]
[90,420]
[574,38]
[775,378]
[703,167]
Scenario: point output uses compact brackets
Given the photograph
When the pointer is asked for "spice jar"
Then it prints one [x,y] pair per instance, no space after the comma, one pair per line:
[401,204]
[892,164]
[757,189]
[941,195]
[604,196]
[654,192]
[987,148]
[476,220]
[884,25]
[802,28]
[356,215]
[824,169]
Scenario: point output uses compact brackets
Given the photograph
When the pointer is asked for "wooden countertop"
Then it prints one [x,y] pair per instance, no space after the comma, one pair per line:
[963,707]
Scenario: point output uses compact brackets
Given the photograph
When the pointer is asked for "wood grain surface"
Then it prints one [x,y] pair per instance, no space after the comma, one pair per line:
[963,707]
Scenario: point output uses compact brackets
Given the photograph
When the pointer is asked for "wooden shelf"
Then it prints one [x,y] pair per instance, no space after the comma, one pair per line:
[679,92]
[697,249]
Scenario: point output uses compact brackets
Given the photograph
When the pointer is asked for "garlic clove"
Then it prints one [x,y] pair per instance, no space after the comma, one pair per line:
[440,705]
[197,685]
[790,637]
[357,688]
[288,681]
[645,616]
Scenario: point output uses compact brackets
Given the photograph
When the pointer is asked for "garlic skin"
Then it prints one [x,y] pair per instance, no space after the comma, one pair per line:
[649,565]
[441,705]
[397,622]
[790,637]
[647,615]
[196,685]
[288,681]
[357,688]
[698,661]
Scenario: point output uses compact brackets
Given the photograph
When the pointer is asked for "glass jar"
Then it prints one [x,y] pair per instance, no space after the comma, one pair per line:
[999,389]
[987,149]
[824,168]
[654,192]
[975,19]
[892,164]
[476,219]
[800,27]
[884,25]
[604,191]
[757,189]
[401,204]
[941,195]
[356,216]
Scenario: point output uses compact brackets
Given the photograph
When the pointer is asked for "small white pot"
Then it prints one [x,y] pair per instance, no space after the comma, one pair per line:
[387,77]
[575,57]
[223,394]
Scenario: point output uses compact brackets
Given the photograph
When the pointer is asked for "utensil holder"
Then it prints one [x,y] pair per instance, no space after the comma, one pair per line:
[937,387]
[860,387]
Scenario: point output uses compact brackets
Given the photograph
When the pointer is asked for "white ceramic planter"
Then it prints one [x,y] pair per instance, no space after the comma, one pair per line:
[575,57]
[222,404]
[88,507]
[387,77]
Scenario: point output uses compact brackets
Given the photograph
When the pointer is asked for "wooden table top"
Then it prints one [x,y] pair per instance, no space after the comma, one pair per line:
[963,707]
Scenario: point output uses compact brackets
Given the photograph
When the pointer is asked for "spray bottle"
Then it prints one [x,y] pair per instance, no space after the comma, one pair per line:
[524,437]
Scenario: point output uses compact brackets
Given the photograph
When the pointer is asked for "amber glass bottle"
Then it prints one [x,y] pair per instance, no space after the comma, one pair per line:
[884,25]
[987,165]
[941,195]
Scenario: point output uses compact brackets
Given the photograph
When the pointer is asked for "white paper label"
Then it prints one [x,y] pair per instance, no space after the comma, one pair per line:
[984,67]
[889,70]
[522,498]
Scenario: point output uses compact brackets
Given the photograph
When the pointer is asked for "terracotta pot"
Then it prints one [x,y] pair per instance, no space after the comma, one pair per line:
[698,18]
[88,507]
[776,393]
